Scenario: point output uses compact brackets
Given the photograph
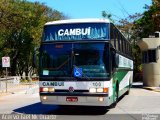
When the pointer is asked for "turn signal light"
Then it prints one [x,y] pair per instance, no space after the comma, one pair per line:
[106,90]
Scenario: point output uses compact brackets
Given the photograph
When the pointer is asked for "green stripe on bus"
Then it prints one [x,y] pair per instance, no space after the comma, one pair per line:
[119,75]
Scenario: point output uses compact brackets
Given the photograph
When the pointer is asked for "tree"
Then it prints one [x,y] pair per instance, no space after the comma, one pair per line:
[137,26]
[141,26]
[107,15]
[149,22]
[21,25]
[126,27]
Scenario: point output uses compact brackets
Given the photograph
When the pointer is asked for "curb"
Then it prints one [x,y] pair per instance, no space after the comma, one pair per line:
[31,90]
[155,89]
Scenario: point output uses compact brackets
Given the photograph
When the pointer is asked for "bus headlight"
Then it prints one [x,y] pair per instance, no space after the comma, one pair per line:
[51,89]
[99,89]
[92,90]
[44,89]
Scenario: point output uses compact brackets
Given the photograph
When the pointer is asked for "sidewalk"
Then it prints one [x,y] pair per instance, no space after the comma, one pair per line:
[140,85]
[20,88]
[156,89]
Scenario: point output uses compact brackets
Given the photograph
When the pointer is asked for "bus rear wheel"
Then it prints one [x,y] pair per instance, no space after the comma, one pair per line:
[129,86]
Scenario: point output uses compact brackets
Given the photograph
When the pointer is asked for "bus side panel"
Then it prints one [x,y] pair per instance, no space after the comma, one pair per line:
[124,79]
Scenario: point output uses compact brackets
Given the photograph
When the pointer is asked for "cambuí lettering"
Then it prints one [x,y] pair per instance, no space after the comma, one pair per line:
[76,31]
[53,83]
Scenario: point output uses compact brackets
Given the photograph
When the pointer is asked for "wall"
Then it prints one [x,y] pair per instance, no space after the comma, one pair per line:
[151,70]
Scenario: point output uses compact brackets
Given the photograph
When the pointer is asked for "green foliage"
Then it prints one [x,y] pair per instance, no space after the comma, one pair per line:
[137,59]
[21,24]
[107,15]
[140,26]
[24,81]
[149,22]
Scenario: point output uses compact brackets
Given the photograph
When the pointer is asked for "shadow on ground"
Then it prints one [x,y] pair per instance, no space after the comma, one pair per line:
[137,85]
[79,110]
[39,108]
[36,108]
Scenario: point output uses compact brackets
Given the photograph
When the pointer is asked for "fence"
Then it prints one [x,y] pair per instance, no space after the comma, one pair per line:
[14,84]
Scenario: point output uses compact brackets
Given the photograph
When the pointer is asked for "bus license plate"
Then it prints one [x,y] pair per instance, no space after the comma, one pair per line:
[71,99]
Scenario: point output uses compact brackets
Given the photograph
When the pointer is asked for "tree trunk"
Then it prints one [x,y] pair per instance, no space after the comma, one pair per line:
[26,72]
[14,64]
[13,67]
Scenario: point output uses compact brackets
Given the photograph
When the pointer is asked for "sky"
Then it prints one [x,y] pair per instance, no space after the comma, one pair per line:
[76,9]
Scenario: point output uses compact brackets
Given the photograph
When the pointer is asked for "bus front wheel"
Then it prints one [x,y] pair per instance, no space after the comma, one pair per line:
[115,97]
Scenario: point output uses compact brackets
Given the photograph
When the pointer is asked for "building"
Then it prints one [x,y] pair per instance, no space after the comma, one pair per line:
[150,48]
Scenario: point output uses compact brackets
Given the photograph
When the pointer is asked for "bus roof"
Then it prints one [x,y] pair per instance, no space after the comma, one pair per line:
[93,20]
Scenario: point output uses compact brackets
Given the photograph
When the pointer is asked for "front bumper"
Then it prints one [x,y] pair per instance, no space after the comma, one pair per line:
[83,99]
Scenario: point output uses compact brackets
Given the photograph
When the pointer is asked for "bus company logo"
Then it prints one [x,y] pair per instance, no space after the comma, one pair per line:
[76,31]
[71,89]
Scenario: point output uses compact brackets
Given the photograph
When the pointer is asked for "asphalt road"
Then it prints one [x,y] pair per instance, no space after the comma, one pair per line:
[138,104]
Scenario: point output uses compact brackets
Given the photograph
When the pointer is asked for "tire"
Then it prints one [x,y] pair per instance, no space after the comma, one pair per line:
[115,98]
[127,93]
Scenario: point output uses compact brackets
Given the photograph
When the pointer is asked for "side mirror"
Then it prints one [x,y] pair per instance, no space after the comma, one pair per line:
[35,57]
[116,60]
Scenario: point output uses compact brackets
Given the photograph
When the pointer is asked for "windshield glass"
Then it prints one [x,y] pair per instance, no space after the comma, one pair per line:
[81,60]
[81,31]
[55,59]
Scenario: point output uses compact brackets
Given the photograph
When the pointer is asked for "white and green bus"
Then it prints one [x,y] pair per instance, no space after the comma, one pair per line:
[84,62]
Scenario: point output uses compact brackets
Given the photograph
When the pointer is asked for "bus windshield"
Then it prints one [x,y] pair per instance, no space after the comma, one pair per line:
[74,60]
[82,31]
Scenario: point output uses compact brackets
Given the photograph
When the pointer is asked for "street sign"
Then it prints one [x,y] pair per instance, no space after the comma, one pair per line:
[5,61]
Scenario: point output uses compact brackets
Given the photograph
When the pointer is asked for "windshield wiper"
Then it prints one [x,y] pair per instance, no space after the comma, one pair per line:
[101,38]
